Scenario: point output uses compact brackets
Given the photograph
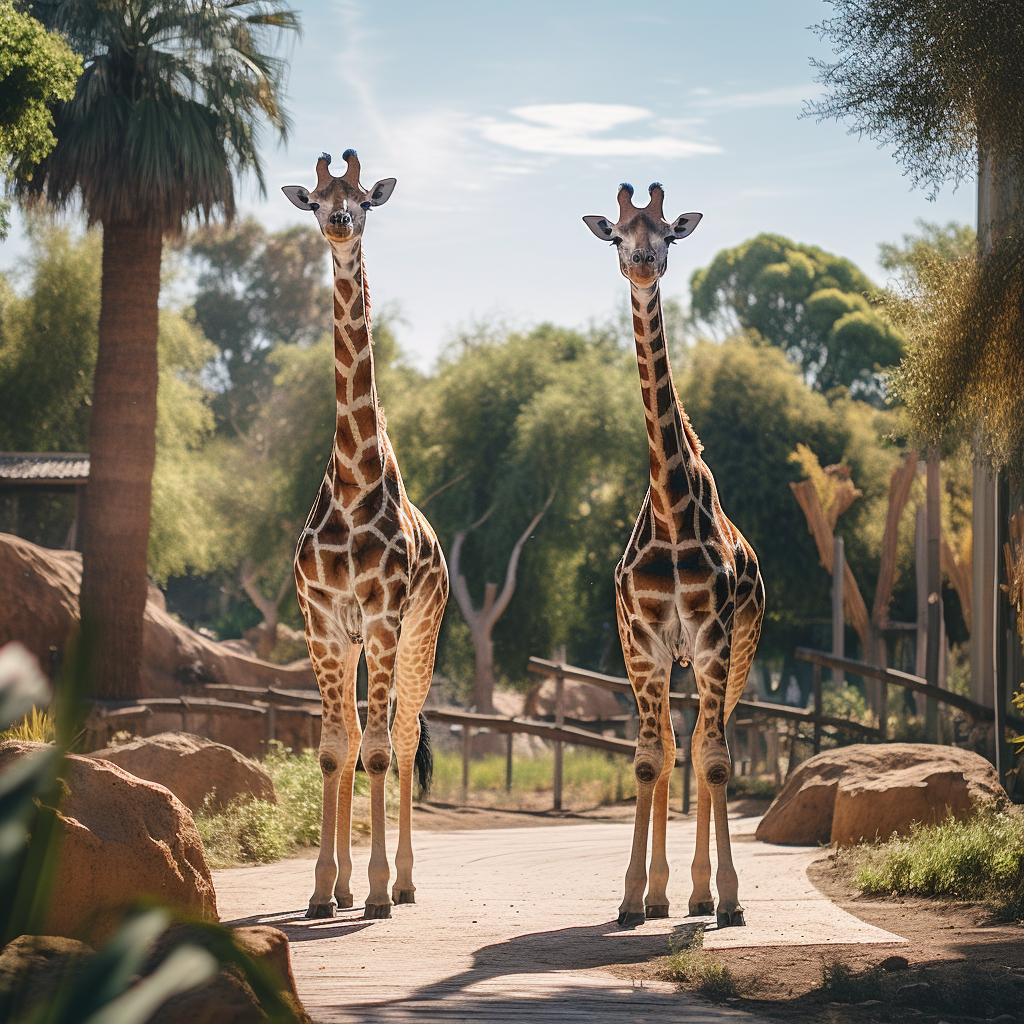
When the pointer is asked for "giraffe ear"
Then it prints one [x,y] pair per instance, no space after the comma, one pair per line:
[380,193]
[299,196]
[600,227]
[684,224]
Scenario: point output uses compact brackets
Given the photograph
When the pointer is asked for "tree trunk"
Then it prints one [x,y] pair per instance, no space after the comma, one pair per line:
[122,452]
[483,677]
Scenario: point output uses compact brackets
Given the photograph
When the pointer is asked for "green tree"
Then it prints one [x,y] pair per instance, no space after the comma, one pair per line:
[167,111]
[951,241]
[37,70]
[48,343]
[805,301]
[255,291]
[751,409]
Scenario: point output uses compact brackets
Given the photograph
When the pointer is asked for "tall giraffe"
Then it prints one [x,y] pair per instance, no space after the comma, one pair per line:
[687,589]
[370,575]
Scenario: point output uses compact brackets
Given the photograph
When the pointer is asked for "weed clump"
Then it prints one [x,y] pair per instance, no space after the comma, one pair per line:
[978,859]
[692,966]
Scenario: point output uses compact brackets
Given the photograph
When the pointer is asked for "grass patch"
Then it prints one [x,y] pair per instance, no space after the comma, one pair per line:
[246,832]
[840,983]
[36,727]
[978,859]
[589,777]
[759,787]
[693,967]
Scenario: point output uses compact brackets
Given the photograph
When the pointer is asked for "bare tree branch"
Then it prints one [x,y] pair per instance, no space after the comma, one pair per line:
[510,574]
[444,487]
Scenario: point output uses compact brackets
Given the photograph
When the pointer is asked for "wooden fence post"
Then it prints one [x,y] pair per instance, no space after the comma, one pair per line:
[559,722]
[467,736]
[508,762]
[687,770]
[838,610]
[271,724]
[817,708]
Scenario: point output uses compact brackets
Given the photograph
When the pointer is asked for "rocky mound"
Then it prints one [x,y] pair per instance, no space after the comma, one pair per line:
[867,791]
[120,839]
[43,585]
[192,768]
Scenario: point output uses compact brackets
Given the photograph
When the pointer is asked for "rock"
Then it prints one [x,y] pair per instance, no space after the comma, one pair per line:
[895,963]
[47,583]
[227,998]
[917,993]
[121,839]
[862,791]
[193,767]
[580,700]
[34,964]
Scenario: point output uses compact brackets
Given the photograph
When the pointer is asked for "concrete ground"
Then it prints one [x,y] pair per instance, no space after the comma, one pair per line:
[520,924]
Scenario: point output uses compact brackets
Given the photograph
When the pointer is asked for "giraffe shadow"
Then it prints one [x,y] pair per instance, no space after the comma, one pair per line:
[579,948]
[298,929]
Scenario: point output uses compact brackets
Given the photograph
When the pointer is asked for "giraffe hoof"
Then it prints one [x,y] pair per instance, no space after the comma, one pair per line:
[631,919]
[705,908]
[318,911]
[731,919]
[656,910]
[344,901]
[403,896]
[376,911]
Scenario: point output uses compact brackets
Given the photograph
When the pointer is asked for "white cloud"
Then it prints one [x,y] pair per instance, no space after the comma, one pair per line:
[790,95]
[580,129]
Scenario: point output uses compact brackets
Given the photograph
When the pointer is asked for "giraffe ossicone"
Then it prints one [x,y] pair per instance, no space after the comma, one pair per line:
[688,590]
[370,576]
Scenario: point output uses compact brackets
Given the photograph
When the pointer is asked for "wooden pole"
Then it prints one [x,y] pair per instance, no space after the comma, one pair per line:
[817,709]
[931,720]
[467,739]
[838,613]
[559,722]
[508,762]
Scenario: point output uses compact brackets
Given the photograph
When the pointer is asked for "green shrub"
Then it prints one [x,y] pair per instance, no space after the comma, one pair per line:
[690,965]
[978,859]
[246,831]
[841,984]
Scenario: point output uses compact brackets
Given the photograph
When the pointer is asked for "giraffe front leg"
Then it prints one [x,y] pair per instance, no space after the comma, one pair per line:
[657,903]
[413,672]
[350,717]
[650,684]
[332,756]
[380,645]
[702,902]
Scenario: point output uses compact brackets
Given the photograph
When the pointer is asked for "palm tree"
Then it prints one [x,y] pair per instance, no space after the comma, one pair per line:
[168,110]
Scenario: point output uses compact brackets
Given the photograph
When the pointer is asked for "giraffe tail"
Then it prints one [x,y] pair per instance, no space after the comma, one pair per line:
[424,762]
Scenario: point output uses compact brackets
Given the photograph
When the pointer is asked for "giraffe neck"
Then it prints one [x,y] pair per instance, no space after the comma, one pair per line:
[674,447]
[357,461]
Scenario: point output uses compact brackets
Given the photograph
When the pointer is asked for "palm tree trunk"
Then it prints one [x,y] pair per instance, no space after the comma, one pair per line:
[122,451]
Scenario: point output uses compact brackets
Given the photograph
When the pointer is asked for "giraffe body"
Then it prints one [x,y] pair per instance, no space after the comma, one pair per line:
[370,576]
[688,590]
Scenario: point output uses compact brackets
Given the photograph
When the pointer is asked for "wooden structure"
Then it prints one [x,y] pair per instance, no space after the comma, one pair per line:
[27,472]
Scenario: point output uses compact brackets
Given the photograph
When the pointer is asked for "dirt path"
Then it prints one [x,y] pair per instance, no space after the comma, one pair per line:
[519,923]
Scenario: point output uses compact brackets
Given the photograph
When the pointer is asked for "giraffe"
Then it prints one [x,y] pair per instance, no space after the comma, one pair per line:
[687,589]
[370,575]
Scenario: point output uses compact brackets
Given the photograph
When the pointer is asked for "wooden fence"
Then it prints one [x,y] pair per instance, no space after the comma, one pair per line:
[303,707]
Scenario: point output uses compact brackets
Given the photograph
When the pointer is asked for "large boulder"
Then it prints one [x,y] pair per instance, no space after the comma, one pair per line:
[32,967]
[43,587]
[868,791]
[121,839]
[193,768]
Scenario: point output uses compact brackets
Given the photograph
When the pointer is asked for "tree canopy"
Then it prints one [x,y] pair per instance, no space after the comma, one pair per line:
[37,70]
[809,303]
[932,78]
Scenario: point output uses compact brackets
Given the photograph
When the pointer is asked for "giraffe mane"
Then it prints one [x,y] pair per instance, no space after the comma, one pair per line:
[690,432]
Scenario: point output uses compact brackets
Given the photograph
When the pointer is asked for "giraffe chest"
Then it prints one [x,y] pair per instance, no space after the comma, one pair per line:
[671,583]
[361,558]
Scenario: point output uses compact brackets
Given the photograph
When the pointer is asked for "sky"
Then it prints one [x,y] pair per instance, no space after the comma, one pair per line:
[506,123]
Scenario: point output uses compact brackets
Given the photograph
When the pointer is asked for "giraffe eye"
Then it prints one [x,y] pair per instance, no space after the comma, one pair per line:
[314,206]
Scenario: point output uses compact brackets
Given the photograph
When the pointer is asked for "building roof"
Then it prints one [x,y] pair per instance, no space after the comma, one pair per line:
[44,467]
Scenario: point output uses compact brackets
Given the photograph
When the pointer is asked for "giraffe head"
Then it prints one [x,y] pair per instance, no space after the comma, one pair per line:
[642,236]
[340,204]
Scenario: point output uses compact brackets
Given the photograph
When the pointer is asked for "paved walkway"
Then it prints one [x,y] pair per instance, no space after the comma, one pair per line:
[518,924]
